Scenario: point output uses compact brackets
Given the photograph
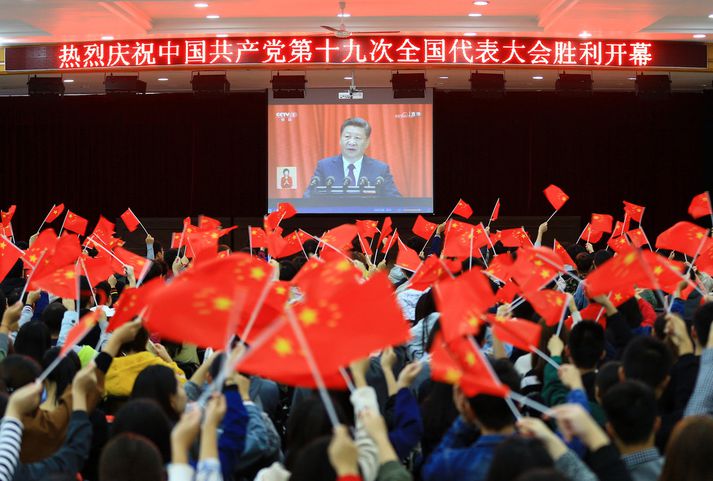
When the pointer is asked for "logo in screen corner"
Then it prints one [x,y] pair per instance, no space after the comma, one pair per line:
[285,116]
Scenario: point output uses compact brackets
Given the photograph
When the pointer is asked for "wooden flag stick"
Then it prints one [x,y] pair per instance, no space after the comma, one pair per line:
[32,272]
[493,213]
[347,379]
[89,281]
[698,251]
[486,363]
[43,220]
[98,244]
[250,238]
[63,221]
[526,401]
[470,251]
[550,217]
[580,235]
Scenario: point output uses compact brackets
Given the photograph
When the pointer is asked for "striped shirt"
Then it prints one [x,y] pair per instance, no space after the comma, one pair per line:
[10,441]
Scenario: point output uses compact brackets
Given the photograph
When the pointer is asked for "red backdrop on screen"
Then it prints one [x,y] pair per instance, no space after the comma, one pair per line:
[401,136]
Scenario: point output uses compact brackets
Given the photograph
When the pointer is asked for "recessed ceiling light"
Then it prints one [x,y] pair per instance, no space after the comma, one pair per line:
[710,16]
[470,34]
[585,34]
[212,17]
[475,14]
[443,77]
[631,78]
[68,81]
[344,15]
[699,35]
[107,37]
[162,79]
[200,5]
[481,3]
[222,35]
[538,77]
[347,78]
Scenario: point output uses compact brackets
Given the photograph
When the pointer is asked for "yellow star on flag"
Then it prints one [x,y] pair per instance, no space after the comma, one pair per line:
[222,303]
[282,346]
[308,316]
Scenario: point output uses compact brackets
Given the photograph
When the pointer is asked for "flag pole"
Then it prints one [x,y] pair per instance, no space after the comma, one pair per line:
[470,251]
[391,240]
[623,225]
[654,281]
[29,278]
[299,334]
[43,221]
[493,213]
[698,251]
[250,239]
[347,379]
[580,235]
[98,244]
[65,220]
[91,289]
[256,310]
[550,217]
[709,205]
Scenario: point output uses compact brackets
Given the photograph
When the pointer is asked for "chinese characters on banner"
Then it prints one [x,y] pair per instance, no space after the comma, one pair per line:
[357,50]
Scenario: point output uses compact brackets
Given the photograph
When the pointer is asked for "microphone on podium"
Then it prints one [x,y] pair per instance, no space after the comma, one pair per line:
[330,181]
[315,181]
[379,183]
[363,182]
[347,182]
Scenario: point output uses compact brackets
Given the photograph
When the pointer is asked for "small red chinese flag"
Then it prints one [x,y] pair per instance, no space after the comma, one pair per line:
[556,196]
[500,267]
[293,245]
[55,212]
[258,237]
[564,255]
[386,229]
[507,292]
[389,242]
[463,209]
[633,211]
[81,329]
[621,295]
[624,269]
[590,235]
[602,222]
[103,232]
[367,228]
[700,205]
[322,279]
[665,272]
[518,332]
[130,220]
[462,301]
[423,228]
[618,244]
[407,258]
[704,262]
[44,243]
[140,264]
[496,210]
[98,269]
[275,244]
[75,223]
[620,228]
[638,237]
[208,223]
[515,238]
[9,255]
[550,305]
[62,282]
[133,300]
[176,240]
[65,251]
[431,271]
[7,216]
[364,245]
[340,237]
[682,237]
[535,267]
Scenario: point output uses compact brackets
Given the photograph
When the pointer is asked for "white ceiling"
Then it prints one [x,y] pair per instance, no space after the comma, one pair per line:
[48,21]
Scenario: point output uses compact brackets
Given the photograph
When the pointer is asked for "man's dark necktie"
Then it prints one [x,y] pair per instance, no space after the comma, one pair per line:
[351,175]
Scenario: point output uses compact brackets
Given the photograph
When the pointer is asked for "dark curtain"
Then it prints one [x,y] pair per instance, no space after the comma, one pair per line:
[180,154]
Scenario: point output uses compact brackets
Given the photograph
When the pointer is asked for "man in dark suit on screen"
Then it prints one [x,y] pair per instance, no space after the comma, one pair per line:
[352,164]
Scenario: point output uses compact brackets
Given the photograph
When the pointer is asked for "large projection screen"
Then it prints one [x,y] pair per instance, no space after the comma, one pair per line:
[310,151]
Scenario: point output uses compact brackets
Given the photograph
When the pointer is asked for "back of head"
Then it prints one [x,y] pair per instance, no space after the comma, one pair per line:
[308,421]
[138,344]
[586,344]
[689,451]
[492,411]
[542,474]
[517,455]
[648,360]
[17,370]
[287,271]
[63,374]
[312,462]
[600,257]
[52,317]
[146,418]
[130,457]
[159,384]
[607,377]
[32,340]
[702,320]
[631,411]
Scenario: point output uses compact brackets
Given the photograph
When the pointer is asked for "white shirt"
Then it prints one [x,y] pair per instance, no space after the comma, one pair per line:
[357,169]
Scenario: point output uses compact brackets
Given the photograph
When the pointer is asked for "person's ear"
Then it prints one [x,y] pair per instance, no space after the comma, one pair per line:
[694,334]
[622,376]
[610,430]
[603,355]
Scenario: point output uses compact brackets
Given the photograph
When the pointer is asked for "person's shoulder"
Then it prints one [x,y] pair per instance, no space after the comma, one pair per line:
[329,160]
[375,163]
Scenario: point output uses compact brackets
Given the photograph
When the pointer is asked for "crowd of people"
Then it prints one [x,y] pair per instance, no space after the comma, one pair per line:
[625,394]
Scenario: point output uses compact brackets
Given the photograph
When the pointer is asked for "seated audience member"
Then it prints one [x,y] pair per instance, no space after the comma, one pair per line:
[466,450]
[134,359]
[632,424]
[161,384]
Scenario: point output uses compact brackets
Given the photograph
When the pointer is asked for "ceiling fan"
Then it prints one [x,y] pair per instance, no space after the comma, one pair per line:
[342,32]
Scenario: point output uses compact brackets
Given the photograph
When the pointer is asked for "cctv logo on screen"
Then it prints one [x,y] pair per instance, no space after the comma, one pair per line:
[408,115]
[285,116]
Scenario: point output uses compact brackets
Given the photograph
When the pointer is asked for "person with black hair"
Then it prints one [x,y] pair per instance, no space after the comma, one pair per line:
[32,340]
[701,400]
[517,455]
[162,385]
[632,423]
[146,418]
[61,376]
[467,449]
[8,325]
[130,457]
[607,377]
[585,348]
